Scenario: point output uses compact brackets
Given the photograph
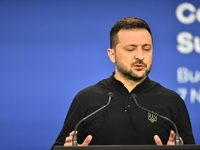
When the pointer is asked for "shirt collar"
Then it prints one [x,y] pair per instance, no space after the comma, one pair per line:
[140,87]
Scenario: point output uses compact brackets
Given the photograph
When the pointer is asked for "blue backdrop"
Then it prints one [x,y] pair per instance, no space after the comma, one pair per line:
[49,50]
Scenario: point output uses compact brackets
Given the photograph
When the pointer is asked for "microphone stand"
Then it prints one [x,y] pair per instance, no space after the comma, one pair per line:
[177,137]
[74,138]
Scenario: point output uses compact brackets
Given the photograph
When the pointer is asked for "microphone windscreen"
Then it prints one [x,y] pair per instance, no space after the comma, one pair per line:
[110,94]
[133,95]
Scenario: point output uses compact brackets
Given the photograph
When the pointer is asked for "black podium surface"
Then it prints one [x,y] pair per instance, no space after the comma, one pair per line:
[129,147]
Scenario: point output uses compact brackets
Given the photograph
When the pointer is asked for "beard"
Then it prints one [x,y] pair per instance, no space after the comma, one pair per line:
[129,74]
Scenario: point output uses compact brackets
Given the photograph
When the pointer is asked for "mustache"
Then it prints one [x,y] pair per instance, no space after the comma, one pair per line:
[140,62]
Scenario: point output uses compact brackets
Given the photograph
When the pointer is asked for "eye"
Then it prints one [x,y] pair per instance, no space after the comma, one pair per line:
[130,49]
[147,49]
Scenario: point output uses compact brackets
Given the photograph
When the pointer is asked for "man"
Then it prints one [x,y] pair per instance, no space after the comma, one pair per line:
[123,122]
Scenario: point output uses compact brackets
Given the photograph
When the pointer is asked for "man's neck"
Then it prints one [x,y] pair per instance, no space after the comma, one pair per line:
[128,83]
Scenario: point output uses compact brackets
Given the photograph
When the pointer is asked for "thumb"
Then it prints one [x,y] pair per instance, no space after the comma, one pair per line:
[87,141]
[157,140]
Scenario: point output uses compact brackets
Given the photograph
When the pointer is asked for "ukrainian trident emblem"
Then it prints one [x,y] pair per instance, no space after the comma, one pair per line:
[152,117]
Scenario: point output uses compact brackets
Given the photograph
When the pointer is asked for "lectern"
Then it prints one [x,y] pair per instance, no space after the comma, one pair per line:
[130,147]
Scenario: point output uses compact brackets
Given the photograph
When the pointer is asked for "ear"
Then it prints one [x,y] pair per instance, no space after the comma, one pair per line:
[111,55]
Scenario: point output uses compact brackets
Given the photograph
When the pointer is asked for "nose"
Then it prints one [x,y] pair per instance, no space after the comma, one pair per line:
[139,55]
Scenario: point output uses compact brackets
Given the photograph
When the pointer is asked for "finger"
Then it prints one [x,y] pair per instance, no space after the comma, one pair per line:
[68,139]
[181,141]
[87,141]
[72,133]
[68,144]
[171,136]
[157,140]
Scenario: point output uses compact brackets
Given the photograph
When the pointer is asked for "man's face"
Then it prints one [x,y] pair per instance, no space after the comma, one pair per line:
[133,54]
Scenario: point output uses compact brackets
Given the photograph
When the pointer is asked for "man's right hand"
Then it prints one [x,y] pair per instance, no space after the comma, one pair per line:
[86,142]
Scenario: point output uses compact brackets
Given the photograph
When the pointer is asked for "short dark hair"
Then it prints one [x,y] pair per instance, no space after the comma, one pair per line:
[127,23]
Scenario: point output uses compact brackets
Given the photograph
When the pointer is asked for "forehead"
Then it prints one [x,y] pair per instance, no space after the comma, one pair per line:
[134,35]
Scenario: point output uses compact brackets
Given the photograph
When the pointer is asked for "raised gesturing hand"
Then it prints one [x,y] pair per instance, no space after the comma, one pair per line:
[171,140]
[68,140]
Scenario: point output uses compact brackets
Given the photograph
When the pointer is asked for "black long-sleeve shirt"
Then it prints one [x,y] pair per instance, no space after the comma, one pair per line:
[122,122]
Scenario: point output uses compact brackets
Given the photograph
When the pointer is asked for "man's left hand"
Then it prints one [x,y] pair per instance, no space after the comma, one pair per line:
[171,140]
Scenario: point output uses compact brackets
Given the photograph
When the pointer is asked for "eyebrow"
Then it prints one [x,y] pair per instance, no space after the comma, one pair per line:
[134,45]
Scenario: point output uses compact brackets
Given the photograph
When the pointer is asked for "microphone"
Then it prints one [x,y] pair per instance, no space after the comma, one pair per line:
[74,138]
[177,137]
